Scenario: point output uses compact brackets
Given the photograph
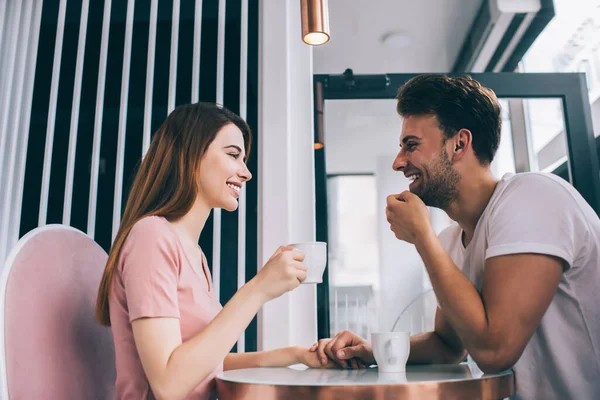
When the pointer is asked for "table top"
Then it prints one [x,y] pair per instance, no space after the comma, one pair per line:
[418,380]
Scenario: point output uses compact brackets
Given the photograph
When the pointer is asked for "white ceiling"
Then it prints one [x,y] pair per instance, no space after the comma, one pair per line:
[435,28]
[358,131]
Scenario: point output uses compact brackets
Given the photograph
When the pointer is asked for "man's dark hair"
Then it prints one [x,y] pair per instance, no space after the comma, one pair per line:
[458,103]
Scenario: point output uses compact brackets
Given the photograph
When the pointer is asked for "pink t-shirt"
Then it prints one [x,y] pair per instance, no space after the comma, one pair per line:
[156,279]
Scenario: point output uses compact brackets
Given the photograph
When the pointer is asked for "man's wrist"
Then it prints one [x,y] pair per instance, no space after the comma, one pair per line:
[425,241]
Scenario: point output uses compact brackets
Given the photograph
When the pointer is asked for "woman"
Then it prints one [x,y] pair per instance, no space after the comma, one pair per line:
[171,334]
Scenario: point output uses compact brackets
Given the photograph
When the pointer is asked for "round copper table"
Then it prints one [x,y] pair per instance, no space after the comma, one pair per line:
[418,382]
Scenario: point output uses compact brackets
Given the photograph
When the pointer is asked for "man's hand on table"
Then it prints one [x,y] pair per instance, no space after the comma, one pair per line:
[311,359]
[346,349]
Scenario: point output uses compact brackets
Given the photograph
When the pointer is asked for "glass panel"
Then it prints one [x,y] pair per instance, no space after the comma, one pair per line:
[570,43]
[504,161]
[353,253]
[546,125]
[369,269]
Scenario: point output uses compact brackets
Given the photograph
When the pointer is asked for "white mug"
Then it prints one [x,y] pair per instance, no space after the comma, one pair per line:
[315,259]
[391,350]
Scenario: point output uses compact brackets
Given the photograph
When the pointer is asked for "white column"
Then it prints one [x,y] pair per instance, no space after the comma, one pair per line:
[241,343]
[286,210]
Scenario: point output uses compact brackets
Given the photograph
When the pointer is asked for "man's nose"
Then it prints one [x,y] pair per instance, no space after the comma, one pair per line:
[399,162]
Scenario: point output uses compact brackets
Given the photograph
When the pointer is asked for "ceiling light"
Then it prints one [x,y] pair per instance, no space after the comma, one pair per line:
[315,21]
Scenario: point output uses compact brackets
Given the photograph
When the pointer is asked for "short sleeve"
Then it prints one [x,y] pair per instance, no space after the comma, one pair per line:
[150,270]
[535,214]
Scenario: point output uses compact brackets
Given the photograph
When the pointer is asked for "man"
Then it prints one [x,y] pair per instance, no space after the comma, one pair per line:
[517,276]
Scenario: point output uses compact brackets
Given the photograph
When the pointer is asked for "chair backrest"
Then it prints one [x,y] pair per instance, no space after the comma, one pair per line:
[419,315]
[51,347]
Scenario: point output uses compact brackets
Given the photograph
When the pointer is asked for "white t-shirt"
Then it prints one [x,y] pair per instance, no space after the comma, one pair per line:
[543,214]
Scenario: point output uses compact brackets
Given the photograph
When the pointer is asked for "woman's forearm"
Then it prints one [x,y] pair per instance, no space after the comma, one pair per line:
[283,357]
[191,362]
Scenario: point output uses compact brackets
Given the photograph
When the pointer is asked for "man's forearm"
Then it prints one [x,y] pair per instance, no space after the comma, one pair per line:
[429,348]
[458,298]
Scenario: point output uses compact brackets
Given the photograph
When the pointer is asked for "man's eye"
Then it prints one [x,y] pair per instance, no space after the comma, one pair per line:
[410,146]
[235,155]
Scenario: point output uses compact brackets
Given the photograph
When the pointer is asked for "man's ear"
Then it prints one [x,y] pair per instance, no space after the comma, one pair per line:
[460,144]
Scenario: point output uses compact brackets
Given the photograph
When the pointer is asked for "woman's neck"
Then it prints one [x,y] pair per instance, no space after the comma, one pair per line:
[189,227]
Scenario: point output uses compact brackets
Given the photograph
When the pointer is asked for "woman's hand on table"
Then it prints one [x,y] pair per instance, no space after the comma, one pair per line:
[346,349]
[311,359]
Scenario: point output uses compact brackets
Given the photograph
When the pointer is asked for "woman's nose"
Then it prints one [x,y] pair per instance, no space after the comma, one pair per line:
[245,174]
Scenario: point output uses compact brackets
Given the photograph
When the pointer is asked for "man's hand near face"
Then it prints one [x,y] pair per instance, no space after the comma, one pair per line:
[408,217]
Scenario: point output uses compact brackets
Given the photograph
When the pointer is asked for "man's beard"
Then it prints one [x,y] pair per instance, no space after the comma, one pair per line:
[440,189]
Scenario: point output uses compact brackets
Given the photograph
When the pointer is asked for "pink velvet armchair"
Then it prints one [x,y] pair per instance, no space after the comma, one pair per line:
[51,347]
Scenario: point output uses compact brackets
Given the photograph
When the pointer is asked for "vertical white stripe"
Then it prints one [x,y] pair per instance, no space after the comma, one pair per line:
[8,49]
[11,124]
[149,76]
[4,15]
[196,57]
[216,261]
[75,113]
[60,29]
[220,51]
[32,53]
[244,62]
[91,225]
[118,194]
[216,258]
[173,61]
[241,346]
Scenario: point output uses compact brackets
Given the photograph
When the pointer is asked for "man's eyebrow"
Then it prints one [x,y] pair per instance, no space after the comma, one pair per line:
[409,137]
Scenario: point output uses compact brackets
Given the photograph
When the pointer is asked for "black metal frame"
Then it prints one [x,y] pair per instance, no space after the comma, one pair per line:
[571,88]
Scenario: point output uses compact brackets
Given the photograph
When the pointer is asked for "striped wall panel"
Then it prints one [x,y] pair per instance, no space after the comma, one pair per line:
[106,76]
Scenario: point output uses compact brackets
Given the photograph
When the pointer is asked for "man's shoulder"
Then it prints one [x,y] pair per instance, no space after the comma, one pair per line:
[535,188]
[532,181]
[537,198]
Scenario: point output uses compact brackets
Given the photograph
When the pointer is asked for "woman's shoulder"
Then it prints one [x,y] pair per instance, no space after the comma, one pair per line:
[151,239]
[152,229]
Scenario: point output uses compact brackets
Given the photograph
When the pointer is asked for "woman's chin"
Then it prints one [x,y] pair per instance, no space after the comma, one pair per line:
[230,206]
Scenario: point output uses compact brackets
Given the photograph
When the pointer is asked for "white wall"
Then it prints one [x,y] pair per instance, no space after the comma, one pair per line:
[286,205]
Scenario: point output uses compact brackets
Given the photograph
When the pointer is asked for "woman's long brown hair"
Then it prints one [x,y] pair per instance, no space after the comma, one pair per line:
[166,182]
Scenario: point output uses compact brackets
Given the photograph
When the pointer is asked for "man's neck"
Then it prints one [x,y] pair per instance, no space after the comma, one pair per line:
[474,196]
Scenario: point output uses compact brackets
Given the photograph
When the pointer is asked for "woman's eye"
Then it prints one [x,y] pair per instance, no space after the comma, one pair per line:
[235,155]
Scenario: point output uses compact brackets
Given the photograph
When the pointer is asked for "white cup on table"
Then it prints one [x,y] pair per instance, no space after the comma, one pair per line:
[391,350]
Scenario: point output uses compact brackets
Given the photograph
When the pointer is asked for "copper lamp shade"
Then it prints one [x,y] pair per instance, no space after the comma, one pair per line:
[315,21]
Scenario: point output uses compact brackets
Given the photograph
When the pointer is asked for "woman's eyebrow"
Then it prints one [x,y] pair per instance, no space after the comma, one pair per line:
[234,146]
